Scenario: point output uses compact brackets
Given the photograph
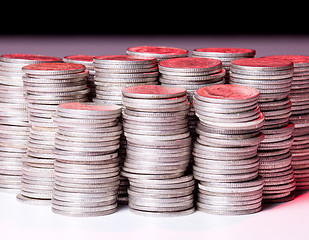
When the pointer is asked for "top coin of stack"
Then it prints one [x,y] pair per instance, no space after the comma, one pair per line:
[87,61]
[224,54]
[116,72]
[13,116]
[158,52]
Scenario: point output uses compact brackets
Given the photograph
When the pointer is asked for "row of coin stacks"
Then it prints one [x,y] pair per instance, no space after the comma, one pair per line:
[30,98]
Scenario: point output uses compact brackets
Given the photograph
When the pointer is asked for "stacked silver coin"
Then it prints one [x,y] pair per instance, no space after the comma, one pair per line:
[299,96]
[161,53]
[87,164]
[87,61]
[273,78]
[225,55]
[46,86]
[113,73]
[14,126]
[191,74]
[158,149]
[225,152]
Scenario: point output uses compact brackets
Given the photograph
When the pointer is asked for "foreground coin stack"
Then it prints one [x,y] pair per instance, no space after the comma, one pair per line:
[273,78]
[225,55]
[225,152]
[161,53]
[87,163]
[46,85]
[299,96]
[158,150]
[14,126]
[87,61]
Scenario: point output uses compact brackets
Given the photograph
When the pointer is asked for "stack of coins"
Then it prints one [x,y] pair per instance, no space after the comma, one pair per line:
[191,74]
[46,85]
[113,73]
[299,96]
[225,55]
[158,148]
[159,52]
[87,61]
[225,152]
[273,78]
[13,117]
[87,162]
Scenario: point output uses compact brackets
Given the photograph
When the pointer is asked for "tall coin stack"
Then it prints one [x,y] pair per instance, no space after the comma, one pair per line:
[225,55]
[191,74]
[273,78]
[14,126]
[87,163]
[158,150]
[87,61]
[46,85]
[161,53]
[113,74]
[225,153]
[299,96]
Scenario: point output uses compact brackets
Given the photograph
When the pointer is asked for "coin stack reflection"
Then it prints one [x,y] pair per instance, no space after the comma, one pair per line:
[273,78]
[46,85]
[87,163]
[225,152]
[87,61]
[225,55]
[299,96]
[14,126]
[158,150]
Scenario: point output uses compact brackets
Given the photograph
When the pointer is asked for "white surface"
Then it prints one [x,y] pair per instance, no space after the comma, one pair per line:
[276,221]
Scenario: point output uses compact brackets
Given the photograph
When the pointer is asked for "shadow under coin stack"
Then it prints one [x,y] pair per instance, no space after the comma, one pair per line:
[225,55]
[299,96]
[191,74]
[87,163]
[113,73]
[159,52]
[14,126]
[158,150]
[273,78]
[87,61]
[46,85]
[225,153]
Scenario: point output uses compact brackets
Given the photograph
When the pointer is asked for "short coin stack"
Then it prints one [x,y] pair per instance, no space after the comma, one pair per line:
[225,55]
[116,72]
[161,53]
[225,152]
[14,126]
[273,78]
[87,61]
[299,96]
[87,163]
[158,150]
[46,85]
[191,74]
